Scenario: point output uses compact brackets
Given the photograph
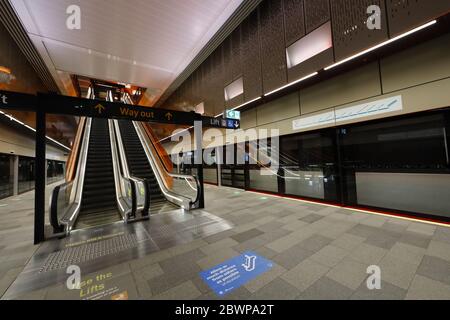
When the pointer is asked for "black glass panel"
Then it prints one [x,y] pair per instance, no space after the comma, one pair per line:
[6,176]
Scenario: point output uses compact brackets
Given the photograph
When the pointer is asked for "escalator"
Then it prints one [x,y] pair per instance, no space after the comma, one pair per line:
[116,173]
[98,204]
[139,166]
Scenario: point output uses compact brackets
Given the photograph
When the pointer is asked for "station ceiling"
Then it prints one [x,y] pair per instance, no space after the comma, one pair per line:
[146,43]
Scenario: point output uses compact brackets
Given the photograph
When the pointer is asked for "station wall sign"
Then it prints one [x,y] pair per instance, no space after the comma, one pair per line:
[220,122]
[233,114]
[103,109]
[59,104]
[235,272]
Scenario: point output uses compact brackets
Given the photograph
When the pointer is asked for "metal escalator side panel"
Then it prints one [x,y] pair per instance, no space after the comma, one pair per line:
[140,194]
[158,171]
[160,150]
[74,154]
[118,163]
[76,192]
[98,205]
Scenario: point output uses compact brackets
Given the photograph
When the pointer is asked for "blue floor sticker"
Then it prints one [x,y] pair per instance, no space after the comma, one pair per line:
[235,272]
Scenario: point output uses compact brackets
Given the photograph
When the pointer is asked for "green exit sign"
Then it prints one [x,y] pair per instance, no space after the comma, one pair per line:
[233,114]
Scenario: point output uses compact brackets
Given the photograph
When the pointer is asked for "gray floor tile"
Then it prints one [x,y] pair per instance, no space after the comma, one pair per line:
[326,289]
[315,243]
[311,218]
[246,235]
[363,231]
[386,292]
[278,289]
[415,239]
[435,268]
[381,240]
[292,257]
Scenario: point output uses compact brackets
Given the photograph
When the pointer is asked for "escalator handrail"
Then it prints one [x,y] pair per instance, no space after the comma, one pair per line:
[146,137]
[126,171]
[146,141]
[65,223]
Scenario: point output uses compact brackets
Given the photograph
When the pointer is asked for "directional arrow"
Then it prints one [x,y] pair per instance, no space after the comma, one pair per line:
[169,116]
[99,108]
[236,124]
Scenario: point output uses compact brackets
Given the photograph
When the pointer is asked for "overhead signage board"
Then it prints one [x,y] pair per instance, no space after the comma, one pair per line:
[233,114]
[233,273]
[221,123]
[103,109]
[58,104]
[14,100]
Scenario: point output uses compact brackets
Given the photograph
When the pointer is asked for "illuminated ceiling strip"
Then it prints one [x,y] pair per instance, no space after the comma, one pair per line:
[426,25]
[240,106]
[33,129]
[292,83]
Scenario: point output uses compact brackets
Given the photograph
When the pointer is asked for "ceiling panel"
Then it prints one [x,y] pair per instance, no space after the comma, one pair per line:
[152,40]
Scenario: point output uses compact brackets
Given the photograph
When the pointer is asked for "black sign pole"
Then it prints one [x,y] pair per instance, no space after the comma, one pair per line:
[39,191]
[198,136]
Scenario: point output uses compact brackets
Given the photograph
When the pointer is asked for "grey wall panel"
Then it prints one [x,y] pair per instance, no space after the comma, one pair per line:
[210,175]
[294,20]
[251,57]
[311,65]
[404,15]
[263,182]
[273,48]
[351,86]
[208,87]
[304,183]
[317,12]
[236,66]
[350,32]
[236,51]
[431,61]
[227,71]
[415,192]
[217,80]
[195,82]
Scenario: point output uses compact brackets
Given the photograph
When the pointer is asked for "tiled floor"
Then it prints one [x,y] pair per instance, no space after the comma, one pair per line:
[319,252]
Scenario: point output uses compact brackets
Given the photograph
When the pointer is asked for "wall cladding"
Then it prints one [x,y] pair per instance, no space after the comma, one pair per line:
[251,57]
[350,33]
[11,57]
[236,66]
[227,61]
[273,49]
[294,20]
[217,81]
[317,12]
[404,15]
[257,48]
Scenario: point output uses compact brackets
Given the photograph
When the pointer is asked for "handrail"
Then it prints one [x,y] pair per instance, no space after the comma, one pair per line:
[64,221]
[165,158]
[160,171]
[124,176]
[74,153]
[164,177]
